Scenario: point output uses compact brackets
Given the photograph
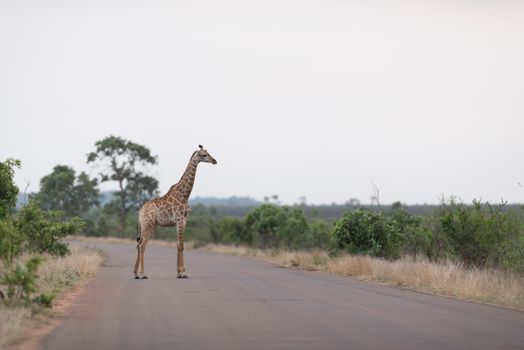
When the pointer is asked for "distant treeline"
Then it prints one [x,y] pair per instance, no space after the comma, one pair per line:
[239,206]
[326,212]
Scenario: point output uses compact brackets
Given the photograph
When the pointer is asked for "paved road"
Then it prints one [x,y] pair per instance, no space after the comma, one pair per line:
[238,303]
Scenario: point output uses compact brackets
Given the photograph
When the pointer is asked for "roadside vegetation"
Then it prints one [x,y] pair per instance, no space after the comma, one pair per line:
[36,265]
[54,276]
[448,278]
[472,250]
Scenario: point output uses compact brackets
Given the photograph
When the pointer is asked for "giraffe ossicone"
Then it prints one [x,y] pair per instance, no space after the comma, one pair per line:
[172,209]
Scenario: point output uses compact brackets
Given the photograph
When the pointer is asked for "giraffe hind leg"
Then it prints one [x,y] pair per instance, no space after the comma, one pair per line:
[141,251]
[135,270]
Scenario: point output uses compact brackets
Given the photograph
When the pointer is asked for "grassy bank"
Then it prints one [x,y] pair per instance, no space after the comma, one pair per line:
[448,279]
[56,275]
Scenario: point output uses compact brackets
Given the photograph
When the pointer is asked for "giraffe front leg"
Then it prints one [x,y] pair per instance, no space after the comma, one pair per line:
[181,270]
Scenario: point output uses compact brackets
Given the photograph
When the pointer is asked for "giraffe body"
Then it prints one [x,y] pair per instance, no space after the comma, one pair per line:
[172,209]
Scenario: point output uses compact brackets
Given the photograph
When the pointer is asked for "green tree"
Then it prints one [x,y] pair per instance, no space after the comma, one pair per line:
[86,193]
[121,161]
[8,189]
[62,190]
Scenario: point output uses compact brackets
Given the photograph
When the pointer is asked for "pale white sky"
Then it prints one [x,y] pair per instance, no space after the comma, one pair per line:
[306,98]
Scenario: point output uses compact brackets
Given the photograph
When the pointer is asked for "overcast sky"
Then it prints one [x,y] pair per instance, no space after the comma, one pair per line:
[314,98]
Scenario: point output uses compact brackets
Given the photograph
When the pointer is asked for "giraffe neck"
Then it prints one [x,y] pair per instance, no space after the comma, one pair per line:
[188,179]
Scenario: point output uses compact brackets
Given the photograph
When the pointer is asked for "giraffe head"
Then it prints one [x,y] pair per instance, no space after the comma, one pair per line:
[203,156]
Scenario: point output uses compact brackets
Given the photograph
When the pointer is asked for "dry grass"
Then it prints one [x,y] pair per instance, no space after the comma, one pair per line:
[155,242]
[55,275]
[11,324]
[59,273]
[115,240]
[449,279]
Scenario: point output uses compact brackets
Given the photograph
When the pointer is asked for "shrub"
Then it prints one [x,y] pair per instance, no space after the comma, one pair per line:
[483,234]
[11,241]
[264,224]
[21,283]
[415,236]
[44,300]
[435,244]
[198,228]
[273,226]
[44,230]
[364,232]
[231,230]
[295,229]
[317,236]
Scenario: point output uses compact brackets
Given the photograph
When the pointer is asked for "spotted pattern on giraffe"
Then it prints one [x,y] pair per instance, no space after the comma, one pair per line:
[172,209]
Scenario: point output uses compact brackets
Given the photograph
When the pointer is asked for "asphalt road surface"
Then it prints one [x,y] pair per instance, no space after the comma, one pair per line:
[233,302]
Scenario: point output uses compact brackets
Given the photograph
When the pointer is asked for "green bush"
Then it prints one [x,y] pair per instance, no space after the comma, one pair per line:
[317,236]
[415,236]
[267,226]
[198,228]
[364,232]
[230,230]
[273,226]
[433,241]
[483,234]
[264,224]
[44,300]
[11,241]
[44,230]
[295,229]
[21,283]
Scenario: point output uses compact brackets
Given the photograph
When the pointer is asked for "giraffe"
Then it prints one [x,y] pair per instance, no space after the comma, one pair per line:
[172,209]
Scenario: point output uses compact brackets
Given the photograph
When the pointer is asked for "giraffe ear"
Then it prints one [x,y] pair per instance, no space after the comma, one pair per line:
[201,147]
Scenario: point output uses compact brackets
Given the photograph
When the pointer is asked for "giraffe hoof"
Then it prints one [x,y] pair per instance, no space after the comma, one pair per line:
[144,277]
[184,276]
[137,278]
